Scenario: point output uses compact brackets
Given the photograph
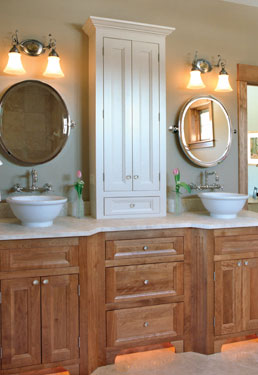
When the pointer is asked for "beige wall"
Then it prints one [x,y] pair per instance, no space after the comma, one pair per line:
[211,27]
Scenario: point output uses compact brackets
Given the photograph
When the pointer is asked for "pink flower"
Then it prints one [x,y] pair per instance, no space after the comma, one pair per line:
[175,171]
[79,174]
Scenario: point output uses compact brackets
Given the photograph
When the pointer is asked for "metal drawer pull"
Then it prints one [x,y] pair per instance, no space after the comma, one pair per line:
[239,263]
[128,177]
[146,282]
[146,324]
[45,281]
[136,177]
[35,282]
[145,247]
[132,205]
[246,262]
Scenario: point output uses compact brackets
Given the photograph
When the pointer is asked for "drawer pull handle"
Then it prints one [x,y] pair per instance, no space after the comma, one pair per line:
[146,324]
[239,263]
[145,247]
[146,282]
[136,177]
[128,177]
[246,262]
[35,282]
[132,205]
[45,282]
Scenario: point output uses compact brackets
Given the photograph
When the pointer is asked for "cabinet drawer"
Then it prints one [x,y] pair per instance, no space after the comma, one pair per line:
[27,259]
[143,324]
[122,249]
[144,281]
[131,206]
[236,244]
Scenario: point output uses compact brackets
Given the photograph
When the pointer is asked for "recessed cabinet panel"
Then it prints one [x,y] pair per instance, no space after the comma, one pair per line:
[129,283]
[117,115]
[60,325]
[228,297]
[147,247]
[137,326]
[146,132]
[250,294]
[21,337]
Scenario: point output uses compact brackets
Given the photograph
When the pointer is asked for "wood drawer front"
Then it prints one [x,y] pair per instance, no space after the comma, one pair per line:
[122,249]
[50,257]
[144,324]
[236,244]
[131,206]
[138,282]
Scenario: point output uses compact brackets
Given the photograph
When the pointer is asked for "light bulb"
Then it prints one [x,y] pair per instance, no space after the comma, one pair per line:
[195,81]
[14,64]
[53,68]
[223,83]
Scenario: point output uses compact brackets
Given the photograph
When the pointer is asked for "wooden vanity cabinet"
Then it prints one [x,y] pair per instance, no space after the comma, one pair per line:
[39,304]
[147,299]
[225,276]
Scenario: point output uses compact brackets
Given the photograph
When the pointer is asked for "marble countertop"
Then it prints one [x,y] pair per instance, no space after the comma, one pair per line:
[72,227]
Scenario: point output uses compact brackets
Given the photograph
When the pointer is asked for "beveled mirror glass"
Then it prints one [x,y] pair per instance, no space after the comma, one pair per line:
[205,131]
[34,122]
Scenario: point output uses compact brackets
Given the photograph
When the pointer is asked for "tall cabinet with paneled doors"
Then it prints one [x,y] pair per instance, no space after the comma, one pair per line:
[127,105]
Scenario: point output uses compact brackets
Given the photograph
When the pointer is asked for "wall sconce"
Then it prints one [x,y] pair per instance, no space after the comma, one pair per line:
[33,47]
[200,65]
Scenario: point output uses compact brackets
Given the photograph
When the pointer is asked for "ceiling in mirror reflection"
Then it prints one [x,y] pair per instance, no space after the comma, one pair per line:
[34,122]
[205,131]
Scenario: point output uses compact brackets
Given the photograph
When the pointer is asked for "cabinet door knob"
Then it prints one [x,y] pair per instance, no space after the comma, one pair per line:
[132,205]
[239,263]
[35,282]
[246,262]
[136,177]
[45,281]
[146,282]
[128,177]
[145,247]
[146,324]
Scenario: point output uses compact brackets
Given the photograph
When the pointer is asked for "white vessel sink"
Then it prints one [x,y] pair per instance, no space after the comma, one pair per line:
[36,210]
[223,205]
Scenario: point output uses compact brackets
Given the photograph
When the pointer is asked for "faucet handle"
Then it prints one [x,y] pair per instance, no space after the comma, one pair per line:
[48,187]
[17,188]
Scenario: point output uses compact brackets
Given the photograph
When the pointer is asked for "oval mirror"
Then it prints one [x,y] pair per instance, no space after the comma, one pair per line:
[205,131]
[34,122]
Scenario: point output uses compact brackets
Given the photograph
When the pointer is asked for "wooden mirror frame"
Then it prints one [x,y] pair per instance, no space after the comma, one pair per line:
[246,75]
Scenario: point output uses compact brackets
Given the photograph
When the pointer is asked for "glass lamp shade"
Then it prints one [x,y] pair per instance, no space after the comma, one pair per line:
[53,68]
[195,81]
[223,83]
[14,64]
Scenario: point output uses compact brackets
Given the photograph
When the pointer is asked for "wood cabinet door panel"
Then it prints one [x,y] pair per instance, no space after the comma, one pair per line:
[144,281]
[148,247]
[146,132]
[117,115]
[60,325]
[144,324]
[236,244]
[21,334]
[228,300]
[250,294]
[37,258]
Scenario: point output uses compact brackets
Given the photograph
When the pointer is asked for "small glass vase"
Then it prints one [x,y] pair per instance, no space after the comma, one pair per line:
[79,205]
[178,204]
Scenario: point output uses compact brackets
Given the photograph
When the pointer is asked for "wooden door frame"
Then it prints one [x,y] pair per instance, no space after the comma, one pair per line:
[246,75]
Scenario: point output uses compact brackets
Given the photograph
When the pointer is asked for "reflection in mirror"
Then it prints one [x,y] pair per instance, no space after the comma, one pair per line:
[205,131]
[34,122]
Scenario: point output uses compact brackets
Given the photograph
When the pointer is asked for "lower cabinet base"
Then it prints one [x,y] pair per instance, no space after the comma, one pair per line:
[219,342]
[73,368]
[111,353]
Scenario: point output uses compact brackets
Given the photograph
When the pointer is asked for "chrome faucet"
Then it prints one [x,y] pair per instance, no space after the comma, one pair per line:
[34,187]
[207,186]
